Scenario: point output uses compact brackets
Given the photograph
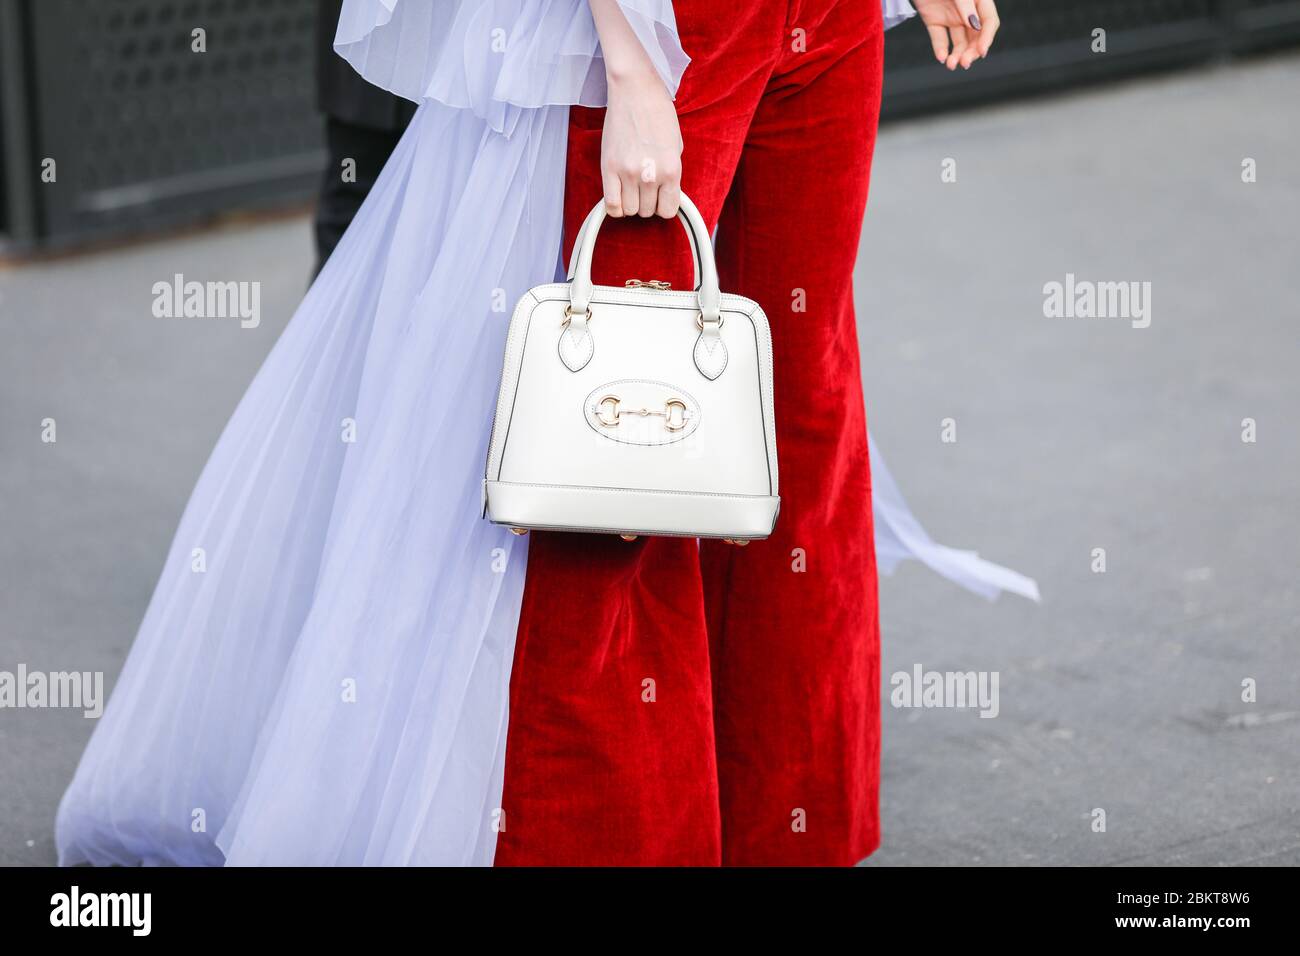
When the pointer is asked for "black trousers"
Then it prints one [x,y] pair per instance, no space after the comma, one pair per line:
[341,194]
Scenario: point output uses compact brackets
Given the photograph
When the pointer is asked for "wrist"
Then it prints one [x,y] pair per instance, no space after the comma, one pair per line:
[631,73]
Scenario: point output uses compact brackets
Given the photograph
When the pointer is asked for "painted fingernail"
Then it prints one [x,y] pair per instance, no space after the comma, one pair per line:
[974,21]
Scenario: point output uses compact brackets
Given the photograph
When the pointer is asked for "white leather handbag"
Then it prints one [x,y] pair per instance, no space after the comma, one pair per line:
[637,410]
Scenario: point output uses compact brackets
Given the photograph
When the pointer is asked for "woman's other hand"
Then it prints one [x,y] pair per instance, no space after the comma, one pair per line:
[641,143]
[961,31]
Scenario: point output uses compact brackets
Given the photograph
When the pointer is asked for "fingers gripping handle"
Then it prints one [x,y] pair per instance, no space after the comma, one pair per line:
[586,228]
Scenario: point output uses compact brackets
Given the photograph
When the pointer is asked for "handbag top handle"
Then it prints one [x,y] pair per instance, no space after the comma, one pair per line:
[586,227]
[706,275]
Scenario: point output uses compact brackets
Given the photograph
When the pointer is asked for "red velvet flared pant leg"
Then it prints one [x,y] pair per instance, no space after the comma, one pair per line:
[793,620]
[610,757]
[622,646]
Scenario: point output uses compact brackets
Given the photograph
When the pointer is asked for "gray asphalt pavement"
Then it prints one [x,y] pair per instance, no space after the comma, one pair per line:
[1121,692]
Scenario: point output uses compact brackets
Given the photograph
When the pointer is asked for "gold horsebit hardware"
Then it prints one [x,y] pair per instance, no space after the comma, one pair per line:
[609,414]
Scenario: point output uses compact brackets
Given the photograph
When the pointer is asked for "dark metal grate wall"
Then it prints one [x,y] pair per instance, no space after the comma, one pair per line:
[148,134]
[145,131]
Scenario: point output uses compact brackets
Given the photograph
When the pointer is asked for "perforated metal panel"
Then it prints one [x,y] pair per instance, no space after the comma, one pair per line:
[147,128]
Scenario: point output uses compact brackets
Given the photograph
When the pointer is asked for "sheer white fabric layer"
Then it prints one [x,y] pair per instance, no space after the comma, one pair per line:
[332,687]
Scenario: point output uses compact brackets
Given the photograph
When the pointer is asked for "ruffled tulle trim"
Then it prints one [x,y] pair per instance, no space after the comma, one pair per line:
[896,11]
[497,57]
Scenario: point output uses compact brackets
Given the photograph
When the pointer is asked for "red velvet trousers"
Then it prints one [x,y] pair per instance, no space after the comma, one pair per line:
[684,703]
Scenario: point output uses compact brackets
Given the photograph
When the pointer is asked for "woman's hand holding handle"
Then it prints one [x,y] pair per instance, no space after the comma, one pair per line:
[641,144]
